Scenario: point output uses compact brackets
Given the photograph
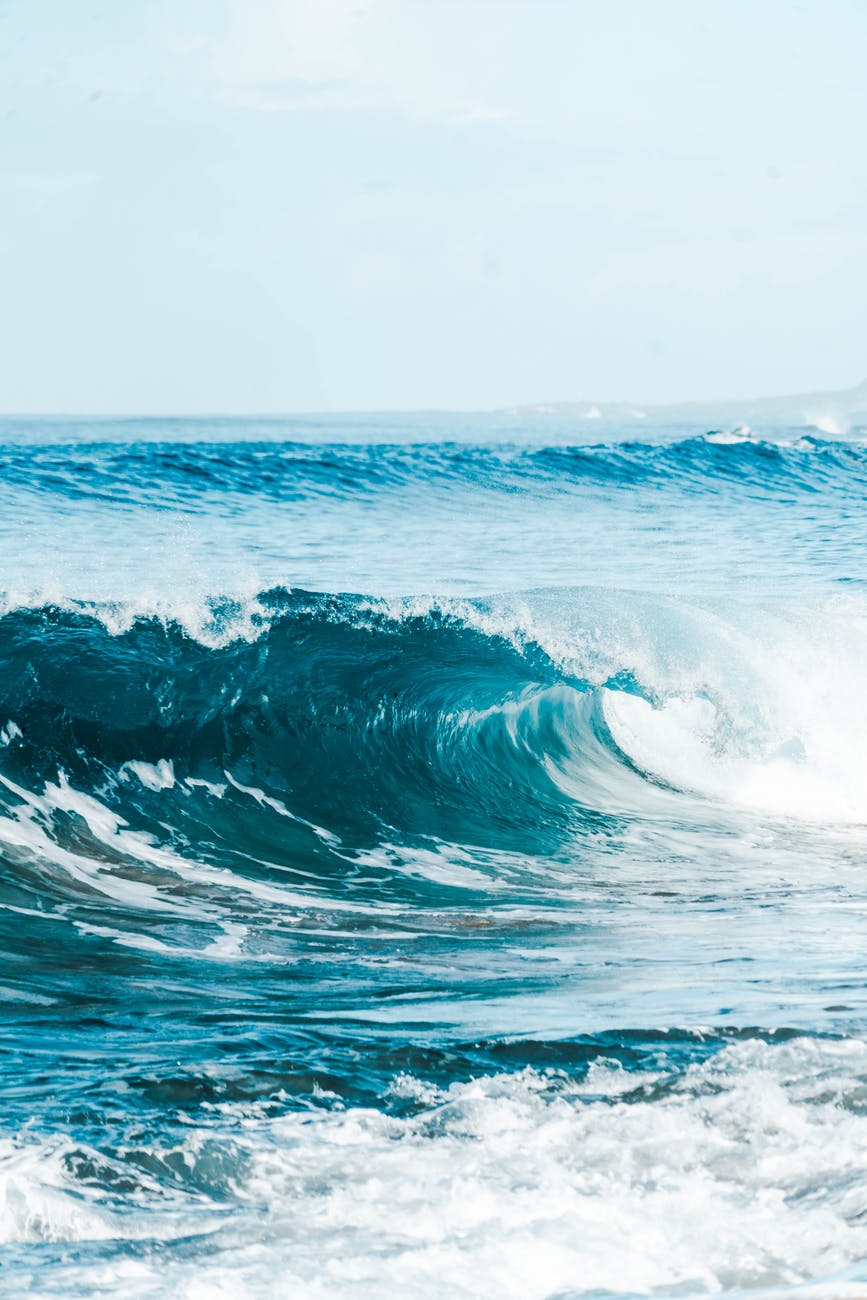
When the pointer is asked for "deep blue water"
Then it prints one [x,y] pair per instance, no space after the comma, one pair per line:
[433,858]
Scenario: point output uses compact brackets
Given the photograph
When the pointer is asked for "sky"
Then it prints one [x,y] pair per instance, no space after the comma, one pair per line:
[296,205]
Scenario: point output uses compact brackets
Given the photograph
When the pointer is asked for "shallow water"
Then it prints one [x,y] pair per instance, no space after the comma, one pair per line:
[432,858]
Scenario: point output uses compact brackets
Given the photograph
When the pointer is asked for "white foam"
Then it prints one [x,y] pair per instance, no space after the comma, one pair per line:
[154,776]
[452,865]
[239,616]
[772,717]
[37,1199]
[730,437]
[215,788]
[42,1199]
[9,733]
[746,1172]
[833,423]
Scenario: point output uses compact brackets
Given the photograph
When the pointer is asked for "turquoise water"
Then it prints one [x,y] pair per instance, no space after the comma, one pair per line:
[433,858]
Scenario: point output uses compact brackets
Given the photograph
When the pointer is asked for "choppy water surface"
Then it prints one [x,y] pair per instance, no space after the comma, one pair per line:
[434,859]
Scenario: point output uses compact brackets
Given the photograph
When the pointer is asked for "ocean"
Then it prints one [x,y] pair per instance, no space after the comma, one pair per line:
[434,858]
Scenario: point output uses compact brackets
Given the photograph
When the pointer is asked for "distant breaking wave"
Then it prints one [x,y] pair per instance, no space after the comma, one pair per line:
[190,474]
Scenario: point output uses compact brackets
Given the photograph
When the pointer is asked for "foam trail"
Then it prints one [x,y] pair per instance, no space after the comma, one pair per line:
[737,1174]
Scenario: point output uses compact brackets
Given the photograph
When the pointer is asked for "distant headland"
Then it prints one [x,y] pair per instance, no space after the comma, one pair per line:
[832,411]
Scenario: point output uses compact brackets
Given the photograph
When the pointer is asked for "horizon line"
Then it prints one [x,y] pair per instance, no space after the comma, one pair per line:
[512,408]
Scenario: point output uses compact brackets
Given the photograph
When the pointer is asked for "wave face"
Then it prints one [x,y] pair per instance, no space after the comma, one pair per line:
[432,853]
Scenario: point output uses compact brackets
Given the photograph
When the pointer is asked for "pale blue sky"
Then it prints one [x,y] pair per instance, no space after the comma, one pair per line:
[277,205]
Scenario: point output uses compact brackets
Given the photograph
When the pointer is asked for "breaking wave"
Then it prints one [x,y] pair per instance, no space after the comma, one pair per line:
[192,475]
[336,724]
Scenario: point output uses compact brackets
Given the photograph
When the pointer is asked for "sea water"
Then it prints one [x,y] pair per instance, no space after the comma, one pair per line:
[434,858]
